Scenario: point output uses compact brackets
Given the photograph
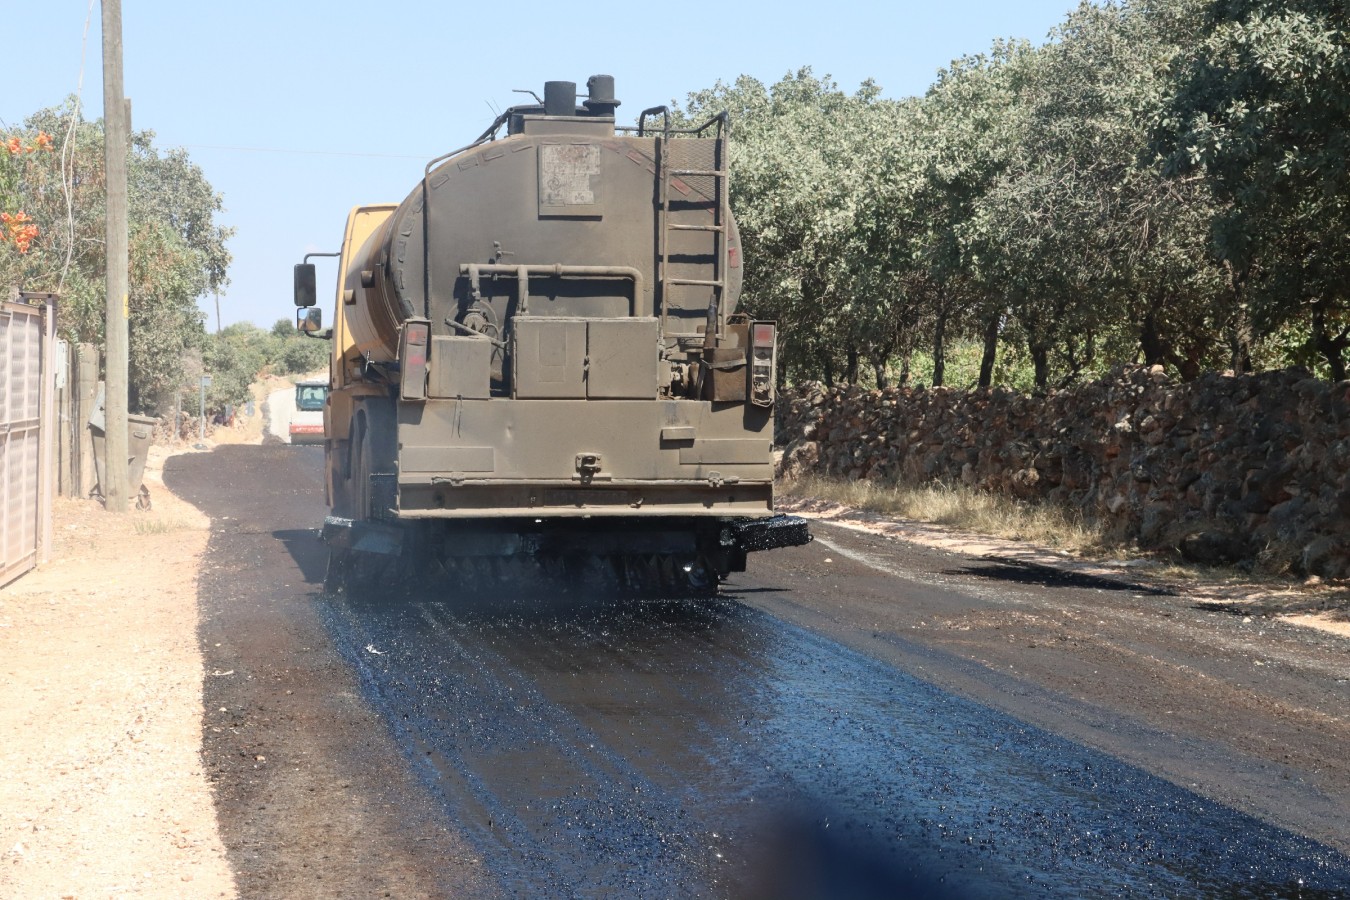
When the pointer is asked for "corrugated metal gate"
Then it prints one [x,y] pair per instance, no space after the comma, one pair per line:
[27,420]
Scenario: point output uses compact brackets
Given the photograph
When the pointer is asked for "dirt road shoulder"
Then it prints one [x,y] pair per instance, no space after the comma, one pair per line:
[101,705]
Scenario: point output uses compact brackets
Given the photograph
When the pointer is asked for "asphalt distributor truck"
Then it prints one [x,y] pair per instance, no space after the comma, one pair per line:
[538,368]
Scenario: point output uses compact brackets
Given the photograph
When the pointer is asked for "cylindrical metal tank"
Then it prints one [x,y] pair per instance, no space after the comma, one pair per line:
[564,192]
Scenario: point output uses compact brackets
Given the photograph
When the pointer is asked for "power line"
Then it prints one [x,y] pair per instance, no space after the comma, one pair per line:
[68,155]
[305,152]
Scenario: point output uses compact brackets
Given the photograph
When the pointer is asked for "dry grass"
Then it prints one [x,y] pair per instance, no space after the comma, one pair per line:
[157,524]
[957,507]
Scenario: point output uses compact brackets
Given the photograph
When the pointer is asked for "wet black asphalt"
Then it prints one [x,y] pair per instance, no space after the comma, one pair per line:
[601,747]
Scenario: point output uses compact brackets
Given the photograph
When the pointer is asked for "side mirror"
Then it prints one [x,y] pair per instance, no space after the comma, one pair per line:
[306,295]
[310,321]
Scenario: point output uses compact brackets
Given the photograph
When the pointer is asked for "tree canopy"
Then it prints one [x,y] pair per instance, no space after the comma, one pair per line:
[177,247]
[1164,181]
[1261,108]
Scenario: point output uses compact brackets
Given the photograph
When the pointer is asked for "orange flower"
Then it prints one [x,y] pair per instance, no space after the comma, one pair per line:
[44,141]
[23,238]
[14,146]
[14,230]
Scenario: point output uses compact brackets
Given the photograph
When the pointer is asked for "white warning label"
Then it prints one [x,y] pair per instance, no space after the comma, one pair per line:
[565,173]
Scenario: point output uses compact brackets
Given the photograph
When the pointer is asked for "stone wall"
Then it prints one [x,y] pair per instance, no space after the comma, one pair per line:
[1251,469]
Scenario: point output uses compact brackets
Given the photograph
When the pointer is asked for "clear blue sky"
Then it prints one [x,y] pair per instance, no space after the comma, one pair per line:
[298,111]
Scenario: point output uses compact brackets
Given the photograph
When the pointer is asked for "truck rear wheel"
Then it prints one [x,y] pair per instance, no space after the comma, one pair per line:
[353,571]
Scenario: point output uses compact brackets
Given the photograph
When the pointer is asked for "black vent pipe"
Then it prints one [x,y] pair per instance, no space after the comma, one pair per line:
[601,101]
[560,98]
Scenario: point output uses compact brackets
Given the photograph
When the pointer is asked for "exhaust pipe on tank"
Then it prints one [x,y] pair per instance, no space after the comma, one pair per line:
[600,95]
[560,98]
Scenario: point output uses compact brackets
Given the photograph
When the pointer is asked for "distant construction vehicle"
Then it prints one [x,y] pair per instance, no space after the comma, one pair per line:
[306,426]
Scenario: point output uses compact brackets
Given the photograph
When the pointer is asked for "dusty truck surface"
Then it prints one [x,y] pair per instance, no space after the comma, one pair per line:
[538,364]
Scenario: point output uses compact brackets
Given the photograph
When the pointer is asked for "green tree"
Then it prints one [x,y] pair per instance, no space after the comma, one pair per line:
[295,353]
[177,249]
[1164,181]
[234,358]
[801,154]
[1261,107]
[17,230]
[939,166]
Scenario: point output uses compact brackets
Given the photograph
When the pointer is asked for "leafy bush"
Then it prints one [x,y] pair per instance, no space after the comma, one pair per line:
[297,354]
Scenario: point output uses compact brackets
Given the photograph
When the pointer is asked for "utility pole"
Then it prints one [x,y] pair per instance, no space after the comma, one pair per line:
[115,143]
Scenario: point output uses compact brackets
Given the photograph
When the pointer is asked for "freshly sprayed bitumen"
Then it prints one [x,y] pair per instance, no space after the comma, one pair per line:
[599,747]
[593,747]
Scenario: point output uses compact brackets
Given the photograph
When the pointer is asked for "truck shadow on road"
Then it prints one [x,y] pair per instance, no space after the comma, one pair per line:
[312,798]
[307,550]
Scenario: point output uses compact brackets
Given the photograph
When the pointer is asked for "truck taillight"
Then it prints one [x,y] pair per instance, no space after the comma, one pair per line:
[763,350]
[412,356]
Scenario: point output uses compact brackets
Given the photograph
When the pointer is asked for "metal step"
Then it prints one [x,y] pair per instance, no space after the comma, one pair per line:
[694,283]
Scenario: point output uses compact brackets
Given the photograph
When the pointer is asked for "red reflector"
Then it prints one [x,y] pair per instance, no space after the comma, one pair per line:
[416,352]
[762,335]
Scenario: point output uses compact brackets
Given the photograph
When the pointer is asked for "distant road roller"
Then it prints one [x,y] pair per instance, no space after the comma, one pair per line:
[538,367]
[306,425]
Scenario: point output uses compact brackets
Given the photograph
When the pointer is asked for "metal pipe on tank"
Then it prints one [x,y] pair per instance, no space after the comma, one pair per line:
[600,95]
[475,272]
[560,98]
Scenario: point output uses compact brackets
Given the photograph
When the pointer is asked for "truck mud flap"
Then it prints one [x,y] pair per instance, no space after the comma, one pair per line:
[367,537]
[769,534]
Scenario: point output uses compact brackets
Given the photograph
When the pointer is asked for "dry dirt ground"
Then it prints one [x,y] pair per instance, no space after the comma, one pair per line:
[101,683]
[102,793]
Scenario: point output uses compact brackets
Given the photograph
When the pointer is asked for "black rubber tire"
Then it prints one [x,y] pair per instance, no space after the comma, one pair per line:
[359,489]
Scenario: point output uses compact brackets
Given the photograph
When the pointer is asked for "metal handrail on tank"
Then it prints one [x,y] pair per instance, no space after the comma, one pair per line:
[642,120]
[721,119]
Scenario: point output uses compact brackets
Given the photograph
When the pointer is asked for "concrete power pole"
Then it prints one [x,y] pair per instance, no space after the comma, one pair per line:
[116,492]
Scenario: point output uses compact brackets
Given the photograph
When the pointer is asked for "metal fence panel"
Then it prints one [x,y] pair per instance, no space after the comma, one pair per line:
[25,435]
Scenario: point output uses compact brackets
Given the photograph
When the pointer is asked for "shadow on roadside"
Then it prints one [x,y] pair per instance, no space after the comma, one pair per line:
[1045,576]
[307,550]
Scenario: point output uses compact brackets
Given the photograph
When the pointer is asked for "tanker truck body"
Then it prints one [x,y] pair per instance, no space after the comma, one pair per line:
[538,362]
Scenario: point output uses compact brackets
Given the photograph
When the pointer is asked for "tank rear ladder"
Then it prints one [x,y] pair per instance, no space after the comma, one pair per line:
[719,228]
